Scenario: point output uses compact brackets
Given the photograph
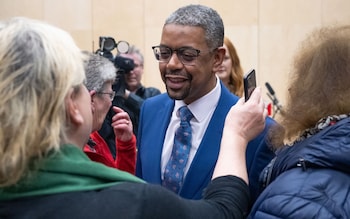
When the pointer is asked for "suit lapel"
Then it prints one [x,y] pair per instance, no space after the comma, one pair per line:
[203,164]
[153,143]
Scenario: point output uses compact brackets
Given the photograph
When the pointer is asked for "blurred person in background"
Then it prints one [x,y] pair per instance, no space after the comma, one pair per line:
[230,71]
[133,79]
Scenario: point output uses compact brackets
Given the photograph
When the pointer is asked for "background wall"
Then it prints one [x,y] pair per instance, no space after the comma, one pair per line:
[266,33]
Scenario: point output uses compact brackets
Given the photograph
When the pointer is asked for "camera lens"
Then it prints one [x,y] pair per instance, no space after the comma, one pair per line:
[123,47]
[109,44]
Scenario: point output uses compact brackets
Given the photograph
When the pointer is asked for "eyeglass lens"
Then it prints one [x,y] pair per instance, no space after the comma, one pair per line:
[111,95]
[186,55]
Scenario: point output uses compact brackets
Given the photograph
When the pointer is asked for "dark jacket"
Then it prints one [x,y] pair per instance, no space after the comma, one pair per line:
[68,184]
[310,179]
[226,197]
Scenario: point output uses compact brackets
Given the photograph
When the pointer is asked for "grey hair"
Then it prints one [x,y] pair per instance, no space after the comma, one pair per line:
[201,16]
[99,70]
[134,50]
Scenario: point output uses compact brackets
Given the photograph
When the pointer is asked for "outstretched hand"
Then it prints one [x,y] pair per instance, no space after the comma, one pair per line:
[122,125]
[247,119]
[244,121]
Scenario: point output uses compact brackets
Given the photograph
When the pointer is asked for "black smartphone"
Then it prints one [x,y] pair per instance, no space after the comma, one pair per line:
[249,82]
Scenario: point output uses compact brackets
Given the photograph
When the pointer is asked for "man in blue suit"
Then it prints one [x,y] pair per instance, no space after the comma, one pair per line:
[190,52]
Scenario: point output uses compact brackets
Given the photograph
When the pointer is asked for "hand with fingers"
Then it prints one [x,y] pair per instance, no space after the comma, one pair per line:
[122,125]
[244,121]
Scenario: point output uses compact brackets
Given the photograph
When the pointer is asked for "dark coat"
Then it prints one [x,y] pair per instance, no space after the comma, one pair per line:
[310,179]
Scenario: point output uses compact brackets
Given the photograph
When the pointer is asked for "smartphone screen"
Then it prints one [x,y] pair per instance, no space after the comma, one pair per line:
[249,81]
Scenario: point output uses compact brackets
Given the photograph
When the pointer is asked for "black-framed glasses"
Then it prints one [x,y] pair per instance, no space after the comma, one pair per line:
[111,94]
[187,55]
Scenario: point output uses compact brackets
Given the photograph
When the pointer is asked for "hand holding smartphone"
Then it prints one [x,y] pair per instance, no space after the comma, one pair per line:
[249,81]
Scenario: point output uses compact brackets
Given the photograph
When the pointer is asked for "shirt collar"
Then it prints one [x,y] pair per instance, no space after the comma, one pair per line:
[203,105]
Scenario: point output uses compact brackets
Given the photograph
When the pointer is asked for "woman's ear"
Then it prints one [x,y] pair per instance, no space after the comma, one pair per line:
[92,95]
[218,58]
[73,109]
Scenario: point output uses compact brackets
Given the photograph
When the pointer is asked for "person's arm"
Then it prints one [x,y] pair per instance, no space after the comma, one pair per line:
[244,121]
[125,141]
[126,155]
[122,125]
[150,92]
[133,101]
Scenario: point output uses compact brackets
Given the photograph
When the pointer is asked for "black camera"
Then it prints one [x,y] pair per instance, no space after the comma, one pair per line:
[123,65]
[107,44]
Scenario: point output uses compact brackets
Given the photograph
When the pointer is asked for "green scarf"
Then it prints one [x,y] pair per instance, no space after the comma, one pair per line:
[68,170]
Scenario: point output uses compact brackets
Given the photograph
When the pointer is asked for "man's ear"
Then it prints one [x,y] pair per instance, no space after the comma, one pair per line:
[73,109]
[218,58]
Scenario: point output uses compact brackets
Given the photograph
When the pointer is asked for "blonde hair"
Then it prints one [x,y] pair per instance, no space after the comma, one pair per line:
[39,65]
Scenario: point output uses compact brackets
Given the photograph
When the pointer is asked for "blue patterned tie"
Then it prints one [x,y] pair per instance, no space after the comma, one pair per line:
[174,170]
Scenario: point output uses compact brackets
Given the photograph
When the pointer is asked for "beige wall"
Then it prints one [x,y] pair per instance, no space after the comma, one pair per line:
[265,32]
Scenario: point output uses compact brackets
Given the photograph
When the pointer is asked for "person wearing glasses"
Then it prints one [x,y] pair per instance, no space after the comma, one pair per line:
[189,55]
[100,75]
[44,172]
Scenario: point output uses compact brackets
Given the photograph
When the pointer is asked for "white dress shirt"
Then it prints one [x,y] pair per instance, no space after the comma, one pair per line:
[202,110]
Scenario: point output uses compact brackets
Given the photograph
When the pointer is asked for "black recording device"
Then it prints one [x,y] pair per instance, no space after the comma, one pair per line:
[123,65]
[107,44]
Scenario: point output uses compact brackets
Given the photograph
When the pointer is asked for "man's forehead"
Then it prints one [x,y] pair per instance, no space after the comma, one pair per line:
[183,35]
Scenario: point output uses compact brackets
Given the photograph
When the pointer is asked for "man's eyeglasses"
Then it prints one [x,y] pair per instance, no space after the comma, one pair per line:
[111,95]
[187,55]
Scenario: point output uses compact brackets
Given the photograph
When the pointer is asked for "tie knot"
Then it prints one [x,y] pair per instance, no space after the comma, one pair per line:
[185,114]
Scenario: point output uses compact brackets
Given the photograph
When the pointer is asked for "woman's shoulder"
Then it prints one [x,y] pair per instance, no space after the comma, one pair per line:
[109,202]
[299,192]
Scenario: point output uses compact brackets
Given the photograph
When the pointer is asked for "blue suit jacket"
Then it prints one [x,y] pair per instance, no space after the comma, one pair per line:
[154,119]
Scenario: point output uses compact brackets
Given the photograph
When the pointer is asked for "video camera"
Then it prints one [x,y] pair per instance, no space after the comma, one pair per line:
[123,65]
